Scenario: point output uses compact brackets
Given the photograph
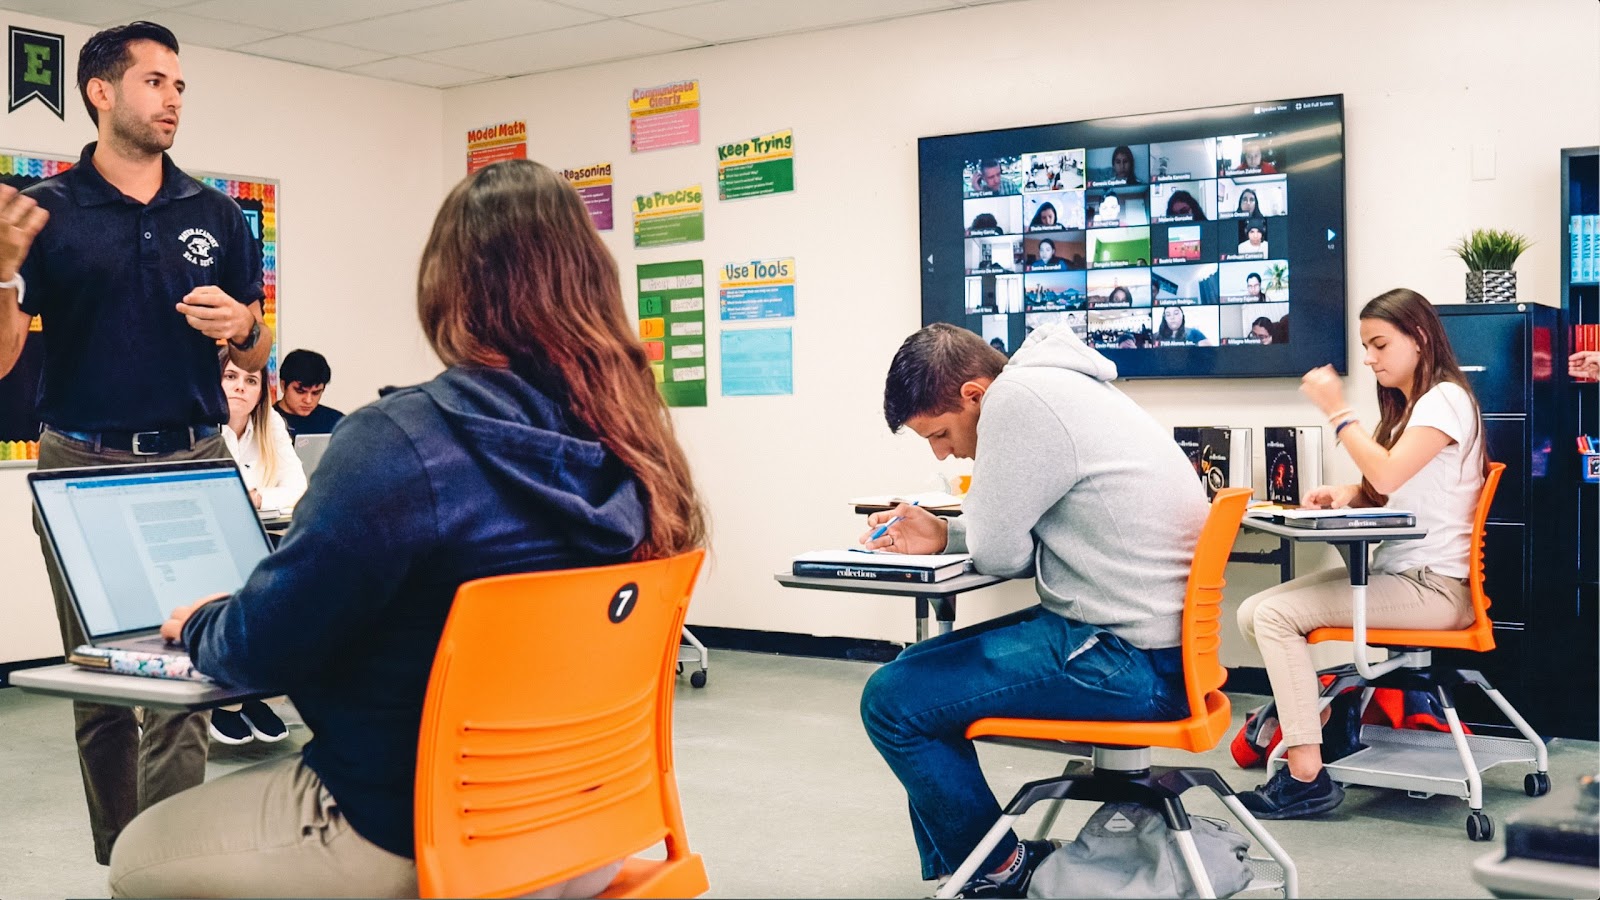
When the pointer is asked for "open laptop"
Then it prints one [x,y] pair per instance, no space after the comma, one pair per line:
[309,448]
[135,542]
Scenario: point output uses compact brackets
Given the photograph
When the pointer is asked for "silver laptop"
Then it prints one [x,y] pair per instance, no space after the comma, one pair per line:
[135,542]
[309,448]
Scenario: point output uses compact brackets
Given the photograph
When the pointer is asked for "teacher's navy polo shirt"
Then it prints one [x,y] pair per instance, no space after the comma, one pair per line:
[106,275]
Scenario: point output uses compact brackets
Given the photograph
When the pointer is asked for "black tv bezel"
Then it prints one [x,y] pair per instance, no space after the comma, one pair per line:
[1295,357]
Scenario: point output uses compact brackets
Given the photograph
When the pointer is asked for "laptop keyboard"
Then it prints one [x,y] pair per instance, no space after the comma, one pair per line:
[154,643]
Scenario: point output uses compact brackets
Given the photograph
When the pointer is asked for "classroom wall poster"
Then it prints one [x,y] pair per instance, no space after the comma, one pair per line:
[672,324]
[674,217]
[593,184]
[666,115]
[757,362]
[496,143]
[257,199]
[758,289]
[756,167]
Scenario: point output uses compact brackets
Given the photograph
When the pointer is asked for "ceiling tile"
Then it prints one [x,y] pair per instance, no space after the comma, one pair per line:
[416,71]
[454,24]
[630,7]
[312,52]
[577,46]
[301,15]
[166,4]
[731,20]
[87,12]
[207,32]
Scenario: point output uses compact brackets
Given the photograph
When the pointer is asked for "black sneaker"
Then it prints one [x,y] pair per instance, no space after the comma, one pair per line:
[263,722]
[228,727]
[1033,853]
[1286,797]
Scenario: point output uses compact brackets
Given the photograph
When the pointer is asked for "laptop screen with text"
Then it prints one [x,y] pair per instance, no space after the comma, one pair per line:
[135,543]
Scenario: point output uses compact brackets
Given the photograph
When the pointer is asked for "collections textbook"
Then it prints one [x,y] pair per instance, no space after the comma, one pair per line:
[867,565]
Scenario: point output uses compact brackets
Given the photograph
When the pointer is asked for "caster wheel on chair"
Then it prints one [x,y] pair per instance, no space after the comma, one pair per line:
[1480,827]
[1536,784]
[698,679]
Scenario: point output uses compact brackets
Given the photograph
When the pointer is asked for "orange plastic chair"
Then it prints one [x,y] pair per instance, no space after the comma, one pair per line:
[546,743]
[1121,769]
[1409,667]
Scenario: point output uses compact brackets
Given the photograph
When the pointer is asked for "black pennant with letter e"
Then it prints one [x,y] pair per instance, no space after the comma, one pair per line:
[36,67]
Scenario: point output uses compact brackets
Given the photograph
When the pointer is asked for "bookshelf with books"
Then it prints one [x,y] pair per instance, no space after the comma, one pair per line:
[1577,506]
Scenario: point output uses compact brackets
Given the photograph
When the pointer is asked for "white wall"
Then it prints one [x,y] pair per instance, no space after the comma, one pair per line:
[357,160]
[1424,82]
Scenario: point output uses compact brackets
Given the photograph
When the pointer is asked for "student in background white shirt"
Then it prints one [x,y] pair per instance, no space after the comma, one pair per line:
[259,441]
[1426,456]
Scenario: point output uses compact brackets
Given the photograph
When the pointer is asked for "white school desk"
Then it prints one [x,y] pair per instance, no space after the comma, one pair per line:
[76,683]
[941,595]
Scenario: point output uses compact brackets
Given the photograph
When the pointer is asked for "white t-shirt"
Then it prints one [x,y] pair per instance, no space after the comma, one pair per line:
[1444,495]
[288,481]
[1248,249]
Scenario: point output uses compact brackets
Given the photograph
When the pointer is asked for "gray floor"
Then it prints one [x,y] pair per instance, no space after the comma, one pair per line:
[784,797]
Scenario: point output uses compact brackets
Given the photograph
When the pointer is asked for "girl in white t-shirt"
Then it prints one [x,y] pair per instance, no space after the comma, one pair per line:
[1425,456]
[259,441]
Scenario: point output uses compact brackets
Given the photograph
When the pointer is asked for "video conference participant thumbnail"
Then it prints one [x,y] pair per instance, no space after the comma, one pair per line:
[1249,154]
[1185,285]
[993,294]
[1183,160]
[1179,326]
[1120,329]
[1117,247]
[998,254]
[1112,207]
[1256,323]
[997,331]
[1255,238]
[988,216]
[1054,291]
[1053,211]
[1183,201]
[1059,251]
[1121,165]
[1077,321]
[1183,242]
[1118,289]
[1253,198]
[1254,281]
[991,176]
[1056,170]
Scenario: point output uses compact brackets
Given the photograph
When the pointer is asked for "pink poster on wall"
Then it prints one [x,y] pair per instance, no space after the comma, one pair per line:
[667,115]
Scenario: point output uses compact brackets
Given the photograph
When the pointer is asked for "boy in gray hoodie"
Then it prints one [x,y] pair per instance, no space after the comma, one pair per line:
[1076,487]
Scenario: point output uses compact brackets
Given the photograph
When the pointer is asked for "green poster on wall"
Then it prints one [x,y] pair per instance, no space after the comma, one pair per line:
[756,167]
[672,217]
[672,324]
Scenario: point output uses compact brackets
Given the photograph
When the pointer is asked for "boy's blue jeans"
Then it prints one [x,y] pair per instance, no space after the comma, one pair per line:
[1032,664]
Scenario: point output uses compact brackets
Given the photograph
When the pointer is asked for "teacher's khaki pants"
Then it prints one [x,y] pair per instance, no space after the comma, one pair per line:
[1278,619]
[124,770]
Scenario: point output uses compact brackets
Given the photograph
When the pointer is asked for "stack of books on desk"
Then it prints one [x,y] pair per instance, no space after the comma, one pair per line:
[1375,517]
[868,565]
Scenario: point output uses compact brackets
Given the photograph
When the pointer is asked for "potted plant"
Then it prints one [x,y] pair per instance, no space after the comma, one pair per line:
[1489,254]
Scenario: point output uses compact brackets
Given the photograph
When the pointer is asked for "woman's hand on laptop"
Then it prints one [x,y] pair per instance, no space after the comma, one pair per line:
[912,529]
[172,628]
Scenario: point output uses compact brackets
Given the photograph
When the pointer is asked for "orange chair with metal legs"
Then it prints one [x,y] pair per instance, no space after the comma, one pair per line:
[1427,763]
[1121,770]
[546,743]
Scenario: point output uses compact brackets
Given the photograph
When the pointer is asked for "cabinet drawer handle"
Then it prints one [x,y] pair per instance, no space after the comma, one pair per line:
[1474,368]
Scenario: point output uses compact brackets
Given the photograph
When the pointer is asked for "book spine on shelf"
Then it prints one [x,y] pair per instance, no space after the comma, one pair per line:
[859,573]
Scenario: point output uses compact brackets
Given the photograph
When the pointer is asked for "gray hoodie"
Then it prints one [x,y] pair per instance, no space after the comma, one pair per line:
[1075,484]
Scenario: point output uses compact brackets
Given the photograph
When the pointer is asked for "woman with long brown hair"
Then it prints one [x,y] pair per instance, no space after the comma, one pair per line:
[543,445]
[1425,456]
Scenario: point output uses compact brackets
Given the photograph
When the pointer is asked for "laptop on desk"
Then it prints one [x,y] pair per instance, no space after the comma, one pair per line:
[135,542]
[309,448]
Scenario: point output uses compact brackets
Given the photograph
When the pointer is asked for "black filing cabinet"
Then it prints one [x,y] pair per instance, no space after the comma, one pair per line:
[1510,353]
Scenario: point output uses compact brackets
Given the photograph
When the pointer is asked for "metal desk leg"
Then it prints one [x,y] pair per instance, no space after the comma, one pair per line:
[945,611]
[922,619]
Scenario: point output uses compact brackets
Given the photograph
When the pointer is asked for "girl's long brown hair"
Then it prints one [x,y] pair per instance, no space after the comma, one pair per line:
[515,275]
[1414,316]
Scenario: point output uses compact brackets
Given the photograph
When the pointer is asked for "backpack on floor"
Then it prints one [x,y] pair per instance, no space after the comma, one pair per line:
[1390,707]
[1125,850]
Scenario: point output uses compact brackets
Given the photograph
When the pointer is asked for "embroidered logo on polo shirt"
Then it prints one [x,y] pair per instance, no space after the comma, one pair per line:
[197,246]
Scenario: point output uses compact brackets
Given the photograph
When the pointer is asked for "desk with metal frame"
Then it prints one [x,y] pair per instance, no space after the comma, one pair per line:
[76,683]
[940,595]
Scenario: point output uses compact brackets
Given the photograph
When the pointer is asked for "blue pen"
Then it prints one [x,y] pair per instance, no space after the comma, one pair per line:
[883,529]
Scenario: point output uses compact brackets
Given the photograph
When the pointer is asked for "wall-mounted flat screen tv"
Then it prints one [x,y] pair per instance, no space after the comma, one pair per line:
[1207,242]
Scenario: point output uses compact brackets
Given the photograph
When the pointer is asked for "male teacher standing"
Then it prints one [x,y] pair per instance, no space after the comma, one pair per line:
[140,274]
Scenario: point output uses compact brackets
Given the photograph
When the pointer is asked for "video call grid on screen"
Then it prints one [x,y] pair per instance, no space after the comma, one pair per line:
[134,547]
[1208,210]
